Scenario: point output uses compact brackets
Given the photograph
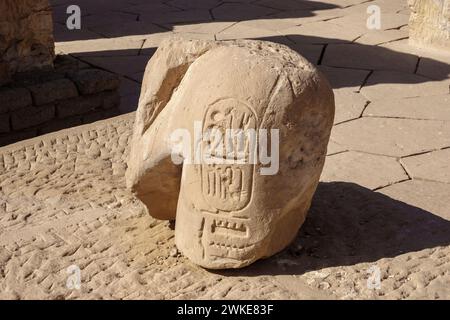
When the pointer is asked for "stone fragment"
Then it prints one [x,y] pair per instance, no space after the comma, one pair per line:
[91,81]
[230,215]
[33,116]
[429,23]
[52,91]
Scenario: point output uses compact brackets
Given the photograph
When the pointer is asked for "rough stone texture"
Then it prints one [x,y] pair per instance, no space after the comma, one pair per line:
[26,32]
[30,117]
[270,86]
[37,102]
[429,23]
[52,91]
[91,81]
[65,203]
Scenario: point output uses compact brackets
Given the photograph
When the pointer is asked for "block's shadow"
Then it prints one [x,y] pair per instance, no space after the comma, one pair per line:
[349,224]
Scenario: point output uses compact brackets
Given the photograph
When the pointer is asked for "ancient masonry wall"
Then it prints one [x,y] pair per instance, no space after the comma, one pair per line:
[39,102]
[26,37]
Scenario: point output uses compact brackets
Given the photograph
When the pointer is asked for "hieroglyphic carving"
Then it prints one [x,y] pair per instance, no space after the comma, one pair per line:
[228,186]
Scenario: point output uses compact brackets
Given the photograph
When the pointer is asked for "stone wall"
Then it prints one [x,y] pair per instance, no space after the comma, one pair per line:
[26,37]
[39,102]
[429,24]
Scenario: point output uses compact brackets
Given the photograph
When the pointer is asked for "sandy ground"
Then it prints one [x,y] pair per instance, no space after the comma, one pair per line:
[63,203]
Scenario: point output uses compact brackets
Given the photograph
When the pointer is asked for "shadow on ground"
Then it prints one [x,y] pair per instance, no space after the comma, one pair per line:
[349,224]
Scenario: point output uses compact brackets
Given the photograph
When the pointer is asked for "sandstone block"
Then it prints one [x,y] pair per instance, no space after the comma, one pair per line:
[229,215]
[78,106]
[4,123]
[91,81]
[111,99]
[14,98]
[33,116]
[26,33]
[429,24]
[52,91]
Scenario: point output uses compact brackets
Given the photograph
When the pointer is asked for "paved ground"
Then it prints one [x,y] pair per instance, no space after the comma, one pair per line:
[383,201]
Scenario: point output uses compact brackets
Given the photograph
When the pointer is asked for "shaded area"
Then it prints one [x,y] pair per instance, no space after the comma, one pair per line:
[100,17]
[349,224]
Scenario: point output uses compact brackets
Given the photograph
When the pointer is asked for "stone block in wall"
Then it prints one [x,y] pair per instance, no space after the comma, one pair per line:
[80,105]
[100,115]
[91,81]
[59,124]
[12,137]
[429,23]
[14,98]
[4,123]
[31,117]
[52,91]
[26,36]
[111,99]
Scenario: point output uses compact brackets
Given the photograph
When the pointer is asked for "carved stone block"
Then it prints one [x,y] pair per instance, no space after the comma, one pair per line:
[231,208]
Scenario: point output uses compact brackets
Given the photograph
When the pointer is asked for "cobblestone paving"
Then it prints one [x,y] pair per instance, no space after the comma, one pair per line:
[383,200]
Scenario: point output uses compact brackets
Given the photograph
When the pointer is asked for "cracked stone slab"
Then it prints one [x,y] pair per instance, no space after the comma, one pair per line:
[334,148]
[430,166]
[323,32]
[349,105]
[368,170]
[352,79]
[377,37]
[393,137]
[382,84]
[430,108]
[368,57]
[229,11]
[427,195]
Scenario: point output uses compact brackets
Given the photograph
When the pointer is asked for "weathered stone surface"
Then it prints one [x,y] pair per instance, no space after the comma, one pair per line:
[110,99]
[429,166]
[402,85]
[368,170]
[393,137]
[430,108]
[91,81]
[33,116]
[269,85]
[427,195]
[349,105]
[26,32]
[14,98]
[78,106]
[429,24]
[4,123]
[54,90]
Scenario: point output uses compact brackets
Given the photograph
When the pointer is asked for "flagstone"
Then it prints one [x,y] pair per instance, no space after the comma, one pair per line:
[392,137]
[428,107]
[426,195]
[429,166]
[367,170]
[382,84]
